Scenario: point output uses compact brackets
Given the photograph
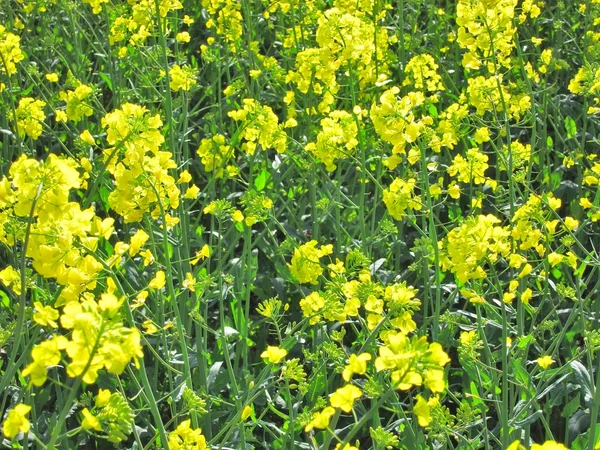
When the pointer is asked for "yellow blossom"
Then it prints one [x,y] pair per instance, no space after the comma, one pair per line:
[545,361]
[87,137]
[159,281]
[16,421]
[320,419]
[356,364]
[344,397]
[274,354]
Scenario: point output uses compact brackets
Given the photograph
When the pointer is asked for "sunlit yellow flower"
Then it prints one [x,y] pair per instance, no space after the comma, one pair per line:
[344,397]
[545,361]
[320,419]
[45,315]
[87,137]
[16,421]
[356,364]
[159,281]
[274,354]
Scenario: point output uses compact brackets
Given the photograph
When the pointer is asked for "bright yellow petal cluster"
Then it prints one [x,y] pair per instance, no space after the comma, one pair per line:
[186,438]
[260,127]
[305,266]
[16,421]
[10,51]
[344,397]
[274,354]
[30,115]
[412,361]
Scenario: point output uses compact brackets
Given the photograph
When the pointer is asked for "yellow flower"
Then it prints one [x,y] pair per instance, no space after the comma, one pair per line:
[87,137]
[184,36]
[454,191]
[191,192]
[545,361]
[246,412]
[305,266]
[346,447]
[181,78]
[526,295]
[16,421]
[148,257]
[400,196]
[60,115]
[585,203]
[320,419]
[274,354]
[149,327]
[482,135]
[344,397]
[422,410]
[29,116]
[356,364]
[137,242]
[11,278]
[202,254]
[159,281]
[260,127]
[549,445]
[45,354]
[90,422]
[571,223]
[10,51]
[190,282]
[186,438]
[52,77]
[237,216]
[45,315]
[516,445]
[77,106]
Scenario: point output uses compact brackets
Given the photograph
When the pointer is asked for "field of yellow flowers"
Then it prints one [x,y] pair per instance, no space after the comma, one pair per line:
[300,224]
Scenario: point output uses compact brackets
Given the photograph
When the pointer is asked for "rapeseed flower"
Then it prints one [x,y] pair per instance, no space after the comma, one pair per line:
[16,421]
[274,354]
[344,397]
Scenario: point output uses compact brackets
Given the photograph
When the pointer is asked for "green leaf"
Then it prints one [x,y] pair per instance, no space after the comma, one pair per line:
[554,181]
[433,112]
[571,127]
[581,442]
[107,80]
[571,407]
[524,341]
[584,379]
[261,181]
[4,299]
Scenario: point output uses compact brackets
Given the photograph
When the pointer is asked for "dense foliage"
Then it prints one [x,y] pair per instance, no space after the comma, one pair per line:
[282,224]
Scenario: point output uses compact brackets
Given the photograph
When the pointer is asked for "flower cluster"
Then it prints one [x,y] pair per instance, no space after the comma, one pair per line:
[98,340]
[396,120]
[468,247]
[143,183]
[215,154]
[185,437]
[10,51]
[110,416]
[260,126]
[486,30]
[305,266]
[30,116]
[400,197]
[61,230]
[336,140]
